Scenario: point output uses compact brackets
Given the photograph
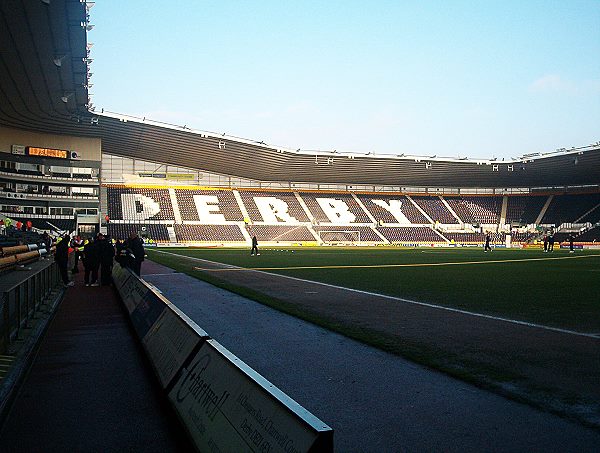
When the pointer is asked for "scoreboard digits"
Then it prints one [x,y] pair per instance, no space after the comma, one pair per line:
[47,152]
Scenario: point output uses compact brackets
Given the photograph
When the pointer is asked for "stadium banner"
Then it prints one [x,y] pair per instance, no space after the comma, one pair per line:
[227,406]
[143,304]
[171,341]
[117,273]
[120,276]
[147,310]
[181,176]
[152,175]
[132,291]
[168,335]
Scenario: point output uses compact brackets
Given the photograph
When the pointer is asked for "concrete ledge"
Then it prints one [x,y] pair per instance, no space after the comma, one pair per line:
[223,403]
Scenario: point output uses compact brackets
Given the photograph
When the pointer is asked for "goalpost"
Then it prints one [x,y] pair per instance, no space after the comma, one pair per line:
[345,237]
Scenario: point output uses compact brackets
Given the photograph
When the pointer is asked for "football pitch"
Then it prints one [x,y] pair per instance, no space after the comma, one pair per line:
[558,289]
[523,323]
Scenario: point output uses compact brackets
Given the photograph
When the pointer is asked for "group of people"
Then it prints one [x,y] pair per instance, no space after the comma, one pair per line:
[549,242]
[98,255]
[131,253]
[7,224]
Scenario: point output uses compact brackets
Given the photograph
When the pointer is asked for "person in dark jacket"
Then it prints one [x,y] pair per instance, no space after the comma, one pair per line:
[487,243]
[62,258]
[137,252]
[46,241]
[254,246]
[571,239]
[107,254]
[120,257]
[77,246]
[91,262]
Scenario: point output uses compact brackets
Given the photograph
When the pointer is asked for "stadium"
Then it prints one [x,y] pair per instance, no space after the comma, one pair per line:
[387,250]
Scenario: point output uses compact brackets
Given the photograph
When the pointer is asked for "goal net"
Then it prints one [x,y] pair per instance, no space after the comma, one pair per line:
[339,237]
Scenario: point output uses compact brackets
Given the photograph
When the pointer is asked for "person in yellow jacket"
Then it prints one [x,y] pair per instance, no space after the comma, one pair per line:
[77,244]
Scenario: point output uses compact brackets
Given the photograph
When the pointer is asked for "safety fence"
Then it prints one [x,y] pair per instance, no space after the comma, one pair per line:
[22,297]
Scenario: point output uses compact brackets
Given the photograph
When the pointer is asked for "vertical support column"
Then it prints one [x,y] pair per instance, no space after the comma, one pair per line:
[18,314]
[26,297]
[5,323]
[57,278]
[503,211]
[45,282]
[52,277]
[37,293]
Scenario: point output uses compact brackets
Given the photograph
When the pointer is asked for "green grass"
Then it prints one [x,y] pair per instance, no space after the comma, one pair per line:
[561,293]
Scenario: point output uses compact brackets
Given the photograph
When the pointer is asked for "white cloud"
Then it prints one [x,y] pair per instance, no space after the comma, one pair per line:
[550,82]
[553,83]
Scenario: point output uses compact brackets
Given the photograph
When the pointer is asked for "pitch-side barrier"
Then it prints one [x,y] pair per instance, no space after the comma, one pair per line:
[21,296]
[223,403]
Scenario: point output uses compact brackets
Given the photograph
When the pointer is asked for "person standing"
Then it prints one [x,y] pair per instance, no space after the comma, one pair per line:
[46,241]
[136,247]
[551,242]
[571,239]
[121,252]
[107,254]
[62,258]
[545,242]
[77,245]
[254,246]
[91,262]
[487,243]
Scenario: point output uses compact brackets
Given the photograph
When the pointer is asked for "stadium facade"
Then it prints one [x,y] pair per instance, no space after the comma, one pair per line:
[65,165]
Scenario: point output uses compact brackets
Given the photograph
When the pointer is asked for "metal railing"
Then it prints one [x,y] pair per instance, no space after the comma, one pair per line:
[21,301]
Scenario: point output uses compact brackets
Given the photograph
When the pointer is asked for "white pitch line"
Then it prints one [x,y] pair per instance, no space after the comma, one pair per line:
[399,299]
[160,275]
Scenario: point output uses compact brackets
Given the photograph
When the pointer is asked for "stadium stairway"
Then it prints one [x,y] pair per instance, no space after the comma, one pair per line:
[89,387]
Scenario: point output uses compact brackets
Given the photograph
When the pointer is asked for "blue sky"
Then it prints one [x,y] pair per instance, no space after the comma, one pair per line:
[448,78]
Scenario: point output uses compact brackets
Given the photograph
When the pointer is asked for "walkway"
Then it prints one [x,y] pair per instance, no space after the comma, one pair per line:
[89,388]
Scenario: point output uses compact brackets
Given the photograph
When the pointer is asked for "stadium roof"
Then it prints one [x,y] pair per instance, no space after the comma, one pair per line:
[43,65]
[44,80]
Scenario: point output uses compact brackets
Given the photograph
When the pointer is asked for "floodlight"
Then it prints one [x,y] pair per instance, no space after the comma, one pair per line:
[66,96]
[58,59]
